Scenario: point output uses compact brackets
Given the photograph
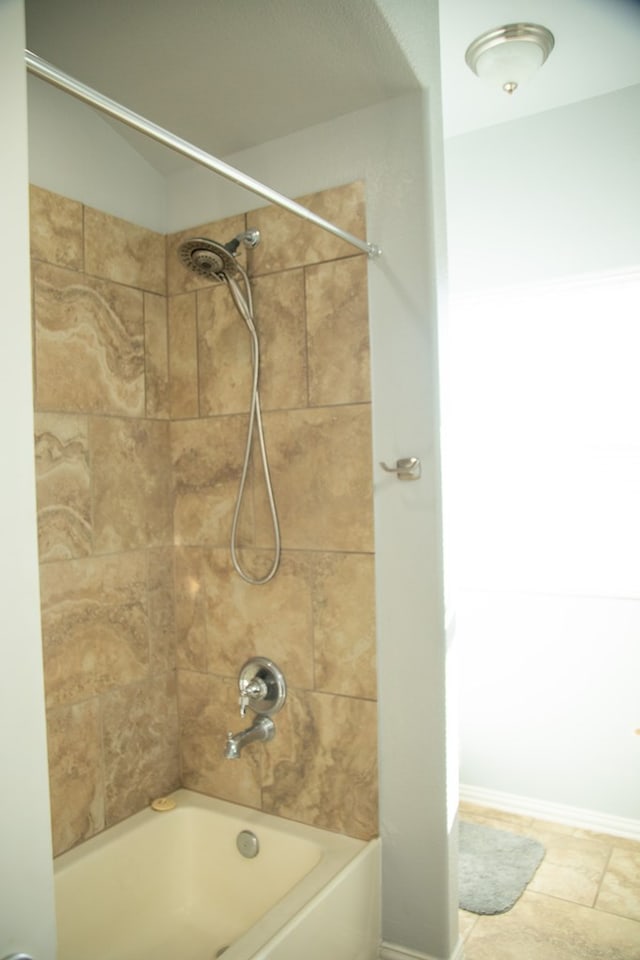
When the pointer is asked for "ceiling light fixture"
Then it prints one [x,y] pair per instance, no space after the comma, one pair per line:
[510,55]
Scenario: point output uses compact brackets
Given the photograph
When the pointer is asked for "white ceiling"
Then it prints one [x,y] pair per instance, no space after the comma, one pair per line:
[225,74]
[230,74]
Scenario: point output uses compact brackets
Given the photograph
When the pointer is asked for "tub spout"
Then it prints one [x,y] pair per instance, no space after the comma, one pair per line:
[262,729]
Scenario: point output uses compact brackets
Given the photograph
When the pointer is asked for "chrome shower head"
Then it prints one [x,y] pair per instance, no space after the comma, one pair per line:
[207,258]
[215,260]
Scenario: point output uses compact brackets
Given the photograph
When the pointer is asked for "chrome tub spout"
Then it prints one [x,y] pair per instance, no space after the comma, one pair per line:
[262,729]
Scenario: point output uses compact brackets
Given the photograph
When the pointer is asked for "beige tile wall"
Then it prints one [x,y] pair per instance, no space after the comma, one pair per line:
[316,618]
[141,413]
[104,514]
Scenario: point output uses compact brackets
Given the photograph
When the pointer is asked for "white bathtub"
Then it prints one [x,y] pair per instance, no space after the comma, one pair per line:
[173,886]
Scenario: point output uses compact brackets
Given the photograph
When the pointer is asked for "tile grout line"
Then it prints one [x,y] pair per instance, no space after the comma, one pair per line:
[601,881]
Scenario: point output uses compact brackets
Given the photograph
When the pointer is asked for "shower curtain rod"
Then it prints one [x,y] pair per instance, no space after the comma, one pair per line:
[46,71]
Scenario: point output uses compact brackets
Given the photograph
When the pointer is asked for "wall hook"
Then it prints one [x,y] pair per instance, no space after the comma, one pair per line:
[407,468]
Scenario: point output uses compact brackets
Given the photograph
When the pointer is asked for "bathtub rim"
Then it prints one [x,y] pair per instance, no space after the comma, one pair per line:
[335,844]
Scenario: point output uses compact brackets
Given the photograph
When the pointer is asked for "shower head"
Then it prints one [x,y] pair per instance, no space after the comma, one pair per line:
[207,258]
[213,260]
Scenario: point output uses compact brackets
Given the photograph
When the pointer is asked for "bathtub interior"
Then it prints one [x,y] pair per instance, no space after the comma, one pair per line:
[165,885]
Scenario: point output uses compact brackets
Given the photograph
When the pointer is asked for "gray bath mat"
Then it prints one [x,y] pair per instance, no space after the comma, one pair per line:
[494,867]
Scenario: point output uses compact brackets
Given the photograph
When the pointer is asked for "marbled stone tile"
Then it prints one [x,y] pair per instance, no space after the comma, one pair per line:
[257,563]
[75,773]
[264,532]
[94,625]
[344,628]
[162,626]
[208,708]
[183,356]
[624,843]
[279,311]
[289,241]
[338,328]
[544,928]
[141,752]
[156,350]
[123,252]
[56,228]
[191,608]
[322,766]
[572,867]
[89,344]
[272,621]
[224,346]
[224,354]
[620,890]
[207,463]
[63,486]
[182,280]
[130,462]
[320,462]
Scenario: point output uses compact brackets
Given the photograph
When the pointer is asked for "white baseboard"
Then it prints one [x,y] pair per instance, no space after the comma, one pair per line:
[391,951]
[556,812]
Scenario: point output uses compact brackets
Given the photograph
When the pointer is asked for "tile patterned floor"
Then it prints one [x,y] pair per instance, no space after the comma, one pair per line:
[582,904]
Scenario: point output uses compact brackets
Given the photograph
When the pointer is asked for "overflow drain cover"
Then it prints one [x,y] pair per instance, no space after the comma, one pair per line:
[247,843]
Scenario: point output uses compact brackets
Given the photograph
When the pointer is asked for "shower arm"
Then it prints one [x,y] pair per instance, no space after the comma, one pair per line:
[46,71]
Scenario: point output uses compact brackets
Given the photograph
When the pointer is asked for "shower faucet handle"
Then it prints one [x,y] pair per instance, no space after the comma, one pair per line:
[255,689]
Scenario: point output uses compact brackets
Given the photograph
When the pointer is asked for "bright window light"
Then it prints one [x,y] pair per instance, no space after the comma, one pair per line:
[542,438]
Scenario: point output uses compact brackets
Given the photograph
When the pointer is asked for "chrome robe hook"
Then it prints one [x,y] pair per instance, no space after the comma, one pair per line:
[407,468]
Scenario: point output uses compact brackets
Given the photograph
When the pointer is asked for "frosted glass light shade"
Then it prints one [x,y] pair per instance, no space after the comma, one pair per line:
[510,55]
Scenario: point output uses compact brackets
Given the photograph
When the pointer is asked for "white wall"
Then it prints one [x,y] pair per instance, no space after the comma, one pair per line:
[550,699]
[26,883]
[74,151]
[548,605]
[547,196]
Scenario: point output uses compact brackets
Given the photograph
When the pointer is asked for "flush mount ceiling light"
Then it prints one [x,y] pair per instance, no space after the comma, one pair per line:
[510,55]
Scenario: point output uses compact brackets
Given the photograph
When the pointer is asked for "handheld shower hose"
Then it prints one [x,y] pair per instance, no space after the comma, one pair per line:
[244,305]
